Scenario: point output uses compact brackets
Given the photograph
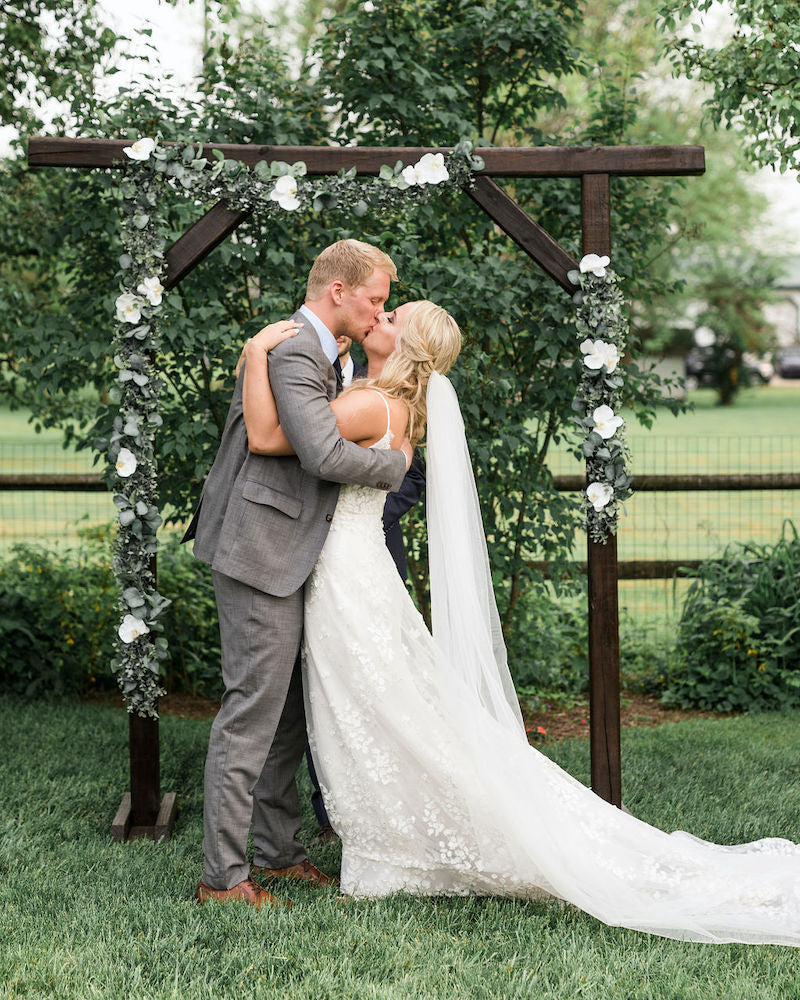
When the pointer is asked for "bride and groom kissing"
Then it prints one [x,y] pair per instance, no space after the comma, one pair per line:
[417,740]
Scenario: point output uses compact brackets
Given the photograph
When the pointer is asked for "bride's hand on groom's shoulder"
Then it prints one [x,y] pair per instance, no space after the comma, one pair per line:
[267,338]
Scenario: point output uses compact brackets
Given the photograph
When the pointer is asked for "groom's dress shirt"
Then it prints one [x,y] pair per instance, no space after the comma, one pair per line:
[348,373]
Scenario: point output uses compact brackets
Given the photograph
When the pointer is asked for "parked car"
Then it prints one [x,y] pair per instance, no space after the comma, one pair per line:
[787,362]
[702,365]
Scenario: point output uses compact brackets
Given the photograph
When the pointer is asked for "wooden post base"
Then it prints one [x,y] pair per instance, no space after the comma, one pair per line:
[161,829]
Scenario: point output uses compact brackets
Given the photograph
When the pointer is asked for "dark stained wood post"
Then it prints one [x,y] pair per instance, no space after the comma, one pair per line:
[602,564]
[144,771]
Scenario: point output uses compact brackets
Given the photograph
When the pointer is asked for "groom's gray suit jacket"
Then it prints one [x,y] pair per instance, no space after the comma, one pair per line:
[263,519]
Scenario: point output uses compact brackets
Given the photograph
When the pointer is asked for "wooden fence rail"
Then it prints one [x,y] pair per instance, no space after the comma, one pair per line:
[634,569]
[93,482]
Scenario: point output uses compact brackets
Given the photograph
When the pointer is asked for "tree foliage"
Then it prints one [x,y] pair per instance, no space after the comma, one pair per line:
[51,52]
[754,75]
[402,73]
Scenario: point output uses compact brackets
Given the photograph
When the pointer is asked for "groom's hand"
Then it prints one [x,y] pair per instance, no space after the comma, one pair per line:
[408,451]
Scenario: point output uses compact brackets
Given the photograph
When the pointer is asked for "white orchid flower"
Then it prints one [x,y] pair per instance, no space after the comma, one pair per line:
[141,149]
[600,354]
[429,169]
[131,628]
[597,265]
[126,463]
[285,193]
[606,422]
[152,289]
[129,308]
[599,495]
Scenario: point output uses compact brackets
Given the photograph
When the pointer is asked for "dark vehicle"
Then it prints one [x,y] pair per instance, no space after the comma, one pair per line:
[787,362]
[704,365]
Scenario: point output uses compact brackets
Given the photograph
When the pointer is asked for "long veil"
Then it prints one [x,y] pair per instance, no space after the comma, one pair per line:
[465,622]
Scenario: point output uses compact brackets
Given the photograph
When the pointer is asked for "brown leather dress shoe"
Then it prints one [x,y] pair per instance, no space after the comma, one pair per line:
[248,892]
[304,872]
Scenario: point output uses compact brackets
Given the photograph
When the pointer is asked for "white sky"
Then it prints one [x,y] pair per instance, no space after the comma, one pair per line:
[177,38]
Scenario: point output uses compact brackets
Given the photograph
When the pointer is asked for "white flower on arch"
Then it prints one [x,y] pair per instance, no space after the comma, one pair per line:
[599,495]
[141,149]
[152,289]
[606,422]
[129,308]
[131,628]
[591,262]
[126,463]
[285,193]
[600,354]
[429,169]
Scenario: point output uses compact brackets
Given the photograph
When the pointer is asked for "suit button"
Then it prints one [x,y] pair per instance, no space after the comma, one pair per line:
[329,517]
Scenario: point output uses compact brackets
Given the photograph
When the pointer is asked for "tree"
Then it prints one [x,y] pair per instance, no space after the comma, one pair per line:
[460,66]
[754,75]
[31,33]
[402,73]
[704,262]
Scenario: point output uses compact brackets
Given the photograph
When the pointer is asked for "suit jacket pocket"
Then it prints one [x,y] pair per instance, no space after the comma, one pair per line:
[259,493]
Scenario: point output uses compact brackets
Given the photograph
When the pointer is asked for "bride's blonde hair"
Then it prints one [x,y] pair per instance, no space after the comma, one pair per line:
[430,341]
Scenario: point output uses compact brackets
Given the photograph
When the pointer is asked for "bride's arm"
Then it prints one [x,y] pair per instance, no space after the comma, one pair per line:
[360,415]
[264,434]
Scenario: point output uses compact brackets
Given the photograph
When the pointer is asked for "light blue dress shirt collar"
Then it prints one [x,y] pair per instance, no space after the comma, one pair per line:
[326,338]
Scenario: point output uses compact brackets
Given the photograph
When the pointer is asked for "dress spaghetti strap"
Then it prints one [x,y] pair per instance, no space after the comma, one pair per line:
[388,411]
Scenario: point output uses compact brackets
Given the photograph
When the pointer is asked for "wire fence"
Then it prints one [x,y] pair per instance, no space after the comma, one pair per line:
[696,525]
[673,526]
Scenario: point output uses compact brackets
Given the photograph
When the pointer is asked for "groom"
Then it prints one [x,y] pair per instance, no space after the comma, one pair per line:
[261,525]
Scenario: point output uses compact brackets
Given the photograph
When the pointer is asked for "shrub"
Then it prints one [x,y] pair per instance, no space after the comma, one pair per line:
[738,644]
[548,651]
[59,612]
[57,615]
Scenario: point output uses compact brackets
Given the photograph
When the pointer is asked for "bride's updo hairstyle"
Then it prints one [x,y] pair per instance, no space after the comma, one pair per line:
[430,341]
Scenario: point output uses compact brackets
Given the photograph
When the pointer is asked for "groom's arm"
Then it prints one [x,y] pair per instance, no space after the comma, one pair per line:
[299,388]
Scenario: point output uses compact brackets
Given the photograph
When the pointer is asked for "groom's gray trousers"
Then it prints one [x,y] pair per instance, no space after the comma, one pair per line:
[258,737]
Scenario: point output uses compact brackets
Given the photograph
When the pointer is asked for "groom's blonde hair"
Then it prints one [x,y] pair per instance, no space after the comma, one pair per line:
[350,261]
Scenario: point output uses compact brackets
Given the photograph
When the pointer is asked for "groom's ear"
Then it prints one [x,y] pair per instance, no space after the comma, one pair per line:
[336,291]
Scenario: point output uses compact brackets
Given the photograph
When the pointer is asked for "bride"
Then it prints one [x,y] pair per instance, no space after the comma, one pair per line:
[417,739]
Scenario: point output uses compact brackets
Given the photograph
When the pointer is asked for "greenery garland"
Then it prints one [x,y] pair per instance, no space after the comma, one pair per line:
[603,329]
[268,189]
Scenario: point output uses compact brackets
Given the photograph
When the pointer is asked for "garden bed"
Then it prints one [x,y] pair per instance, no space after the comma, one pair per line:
[559,722]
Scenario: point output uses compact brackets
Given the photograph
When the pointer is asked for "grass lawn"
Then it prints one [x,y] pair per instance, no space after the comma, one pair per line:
[82,917]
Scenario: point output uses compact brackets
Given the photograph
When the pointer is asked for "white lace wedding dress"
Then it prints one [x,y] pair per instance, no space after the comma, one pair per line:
[431,794]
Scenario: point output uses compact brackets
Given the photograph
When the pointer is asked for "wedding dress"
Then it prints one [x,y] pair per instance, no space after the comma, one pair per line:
[433,791]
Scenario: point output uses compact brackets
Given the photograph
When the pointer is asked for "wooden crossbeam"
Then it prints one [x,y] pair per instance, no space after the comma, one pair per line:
[523,230]
[522,161]
[198,241]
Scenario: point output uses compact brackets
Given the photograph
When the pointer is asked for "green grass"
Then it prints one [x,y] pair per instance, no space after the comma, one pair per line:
[82,917]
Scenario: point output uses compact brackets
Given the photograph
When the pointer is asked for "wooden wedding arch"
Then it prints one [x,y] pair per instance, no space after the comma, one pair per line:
[143,812]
